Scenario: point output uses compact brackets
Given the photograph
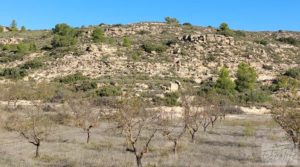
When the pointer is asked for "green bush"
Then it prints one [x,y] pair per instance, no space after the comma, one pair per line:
[293,72]
[170,99]
[262,42]
[73,78]
[1,29]
[289,40]
[172,21]
[224,84]
[109,91]
[150,47]
[13,73]
[64,30]
[23,29]
[187,24]
[86,86]
[32,64]
[63,41]
[284,82]
[126,42]
[256,96]
[98,35]
[225,30]
[64,36]
[13,26]
[246,77]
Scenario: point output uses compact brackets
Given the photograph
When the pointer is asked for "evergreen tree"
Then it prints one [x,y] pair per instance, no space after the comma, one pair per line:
[246,77]
[224,84]
[13,25]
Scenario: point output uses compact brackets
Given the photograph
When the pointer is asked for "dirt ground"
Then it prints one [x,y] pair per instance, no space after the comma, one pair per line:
[239,140]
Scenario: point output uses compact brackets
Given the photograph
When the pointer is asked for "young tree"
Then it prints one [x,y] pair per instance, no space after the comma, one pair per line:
[13,26]
[224,27]
[246,78]
[224,84]
[85,117]
[172,21]
[34,126]
[23,29]
[98,35]
[289,120]
[138,126]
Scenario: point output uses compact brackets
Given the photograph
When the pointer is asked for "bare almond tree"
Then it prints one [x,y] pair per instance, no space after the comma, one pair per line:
[33,125]
[85,116]
[289,120]
[138,126]
[174,130]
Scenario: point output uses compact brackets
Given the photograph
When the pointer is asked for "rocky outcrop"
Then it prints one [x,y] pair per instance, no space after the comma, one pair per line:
[207,38]
[10,41]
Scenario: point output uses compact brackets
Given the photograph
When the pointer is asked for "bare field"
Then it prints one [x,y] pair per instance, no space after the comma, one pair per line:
[235,141]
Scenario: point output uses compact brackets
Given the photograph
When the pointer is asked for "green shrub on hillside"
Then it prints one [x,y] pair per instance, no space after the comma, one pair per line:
[13,73]
[64,36]
[150,47]
[73,78]
[126,42]
[86,86]
[289,40]
[246,77]
[1,29]
[224,84]
[63,41]
[98,35]
[109,91]
[32,64]
[293,72]
[172,21]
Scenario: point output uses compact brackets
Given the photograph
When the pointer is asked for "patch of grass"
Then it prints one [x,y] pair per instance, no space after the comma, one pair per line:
[249,130]
[73,78]
[109,91]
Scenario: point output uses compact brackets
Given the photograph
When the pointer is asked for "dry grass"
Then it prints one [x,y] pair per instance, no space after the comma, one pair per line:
[233,142]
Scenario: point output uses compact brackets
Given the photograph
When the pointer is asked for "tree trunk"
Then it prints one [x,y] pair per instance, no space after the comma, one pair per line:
[37,154]
[175,147]
[193,137]
[139,160]
[88,136]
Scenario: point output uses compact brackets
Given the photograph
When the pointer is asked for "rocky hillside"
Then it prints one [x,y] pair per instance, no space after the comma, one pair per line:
[149,54]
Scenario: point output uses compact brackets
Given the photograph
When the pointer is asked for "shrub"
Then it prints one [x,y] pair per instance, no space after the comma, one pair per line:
[32,64]
[262,42]
[63,41]
[73,78]
[86,85]
[225,30]
[224,84]
[293,72]
[64,30]
[172,21]
[289,40]
[98,35]
[150,47]
[246,77]
[240,33]
[64,36]
[187,24]
[109,91]
[284,82]
[126,42]
[224,27]
[13,26]
[23,29]
[1,29]
[171,99]
[13,73]
[256,96]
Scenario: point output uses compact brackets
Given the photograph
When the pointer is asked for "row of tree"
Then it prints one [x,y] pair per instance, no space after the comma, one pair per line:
[138,124]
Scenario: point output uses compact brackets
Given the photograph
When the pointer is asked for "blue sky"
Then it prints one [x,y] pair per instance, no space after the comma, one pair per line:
[255,15]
